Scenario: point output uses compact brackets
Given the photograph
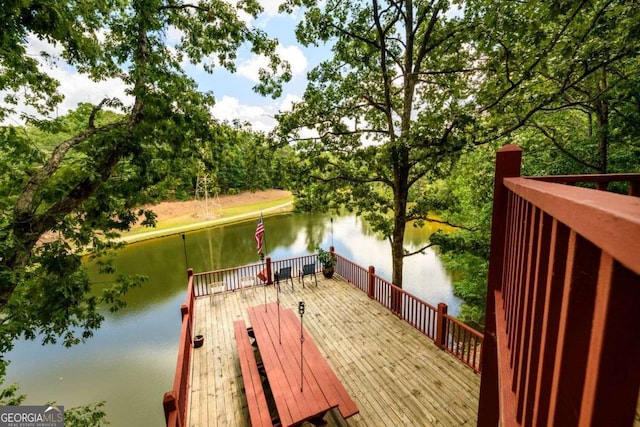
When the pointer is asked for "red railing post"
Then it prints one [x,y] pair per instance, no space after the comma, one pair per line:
[269,279]
[371,288]
[508,161]
[169,405]
[441,326]
[190,279]
[184,310]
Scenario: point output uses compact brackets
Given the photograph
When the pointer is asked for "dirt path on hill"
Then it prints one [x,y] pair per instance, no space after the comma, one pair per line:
[180,216]
[194,210]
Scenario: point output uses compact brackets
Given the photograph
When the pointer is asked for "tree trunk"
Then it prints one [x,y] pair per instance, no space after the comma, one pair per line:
[400,196]
[602,114]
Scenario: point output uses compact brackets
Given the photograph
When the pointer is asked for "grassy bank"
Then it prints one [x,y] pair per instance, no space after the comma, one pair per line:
[189,221]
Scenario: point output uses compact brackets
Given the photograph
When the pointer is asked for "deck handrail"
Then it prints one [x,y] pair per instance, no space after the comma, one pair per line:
[456,338]
[601,181]
[174,402]
[562,328]
[449,333]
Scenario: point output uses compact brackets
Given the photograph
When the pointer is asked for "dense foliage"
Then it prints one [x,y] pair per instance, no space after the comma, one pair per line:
[571,102]
[80,177]
[412,85]
[404,119]
[401,122]
[384,110]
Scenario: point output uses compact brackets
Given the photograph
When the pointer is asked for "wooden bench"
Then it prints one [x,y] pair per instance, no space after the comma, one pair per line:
[256,399]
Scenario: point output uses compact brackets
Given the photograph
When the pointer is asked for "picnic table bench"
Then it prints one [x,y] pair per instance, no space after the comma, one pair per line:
[254,391]
[300,395]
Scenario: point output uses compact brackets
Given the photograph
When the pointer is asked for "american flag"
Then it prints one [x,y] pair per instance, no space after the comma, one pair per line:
[259,236]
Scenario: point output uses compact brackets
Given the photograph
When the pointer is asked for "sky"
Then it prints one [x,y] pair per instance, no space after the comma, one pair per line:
[235,99]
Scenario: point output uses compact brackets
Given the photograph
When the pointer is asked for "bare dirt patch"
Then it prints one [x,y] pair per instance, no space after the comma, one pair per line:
[193,211]
[195,208]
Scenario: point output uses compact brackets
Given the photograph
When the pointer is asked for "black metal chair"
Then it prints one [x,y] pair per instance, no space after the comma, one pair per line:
[308,270]
[284,274]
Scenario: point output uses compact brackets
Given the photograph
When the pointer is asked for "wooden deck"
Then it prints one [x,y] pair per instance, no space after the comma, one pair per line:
[396,375]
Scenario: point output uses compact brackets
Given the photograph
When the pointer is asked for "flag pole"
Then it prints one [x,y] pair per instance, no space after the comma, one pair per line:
[260,246]
[264,248]
[264,284]
[264,234]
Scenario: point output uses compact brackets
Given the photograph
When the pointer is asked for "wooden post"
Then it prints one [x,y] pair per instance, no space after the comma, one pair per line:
[190,280]
[441,330]
[184,310]
[170,407]
[371,289]
[508,161]
[269,280]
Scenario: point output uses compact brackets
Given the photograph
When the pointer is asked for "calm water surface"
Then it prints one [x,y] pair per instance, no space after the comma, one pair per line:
[130,361]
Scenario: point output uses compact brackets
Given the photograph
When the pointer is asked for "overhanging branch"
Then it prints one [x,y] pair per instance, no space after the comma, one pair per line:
[419,251]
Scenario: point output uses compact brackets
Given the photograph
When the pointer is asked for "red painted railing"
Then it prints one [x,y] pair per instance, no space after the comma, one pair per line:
[447,332]
[232,279]
[175,401]
[562,330]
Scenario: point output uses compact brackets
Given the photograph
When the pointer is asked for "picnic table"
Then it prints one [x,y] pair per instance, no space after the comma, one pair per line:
[279,346]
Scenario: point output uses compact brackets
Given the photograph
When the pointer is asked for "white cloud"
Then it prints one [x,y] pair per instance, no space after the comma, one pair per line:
[75,87]
[292,54]
[270,6]
[260,117]
[287,103]
[79,88]
[173,35]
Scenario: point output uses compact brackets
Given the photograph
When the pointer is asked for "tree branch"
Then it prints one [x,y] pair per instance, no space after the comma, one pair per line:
[538,59]
[562,149]
[183,6]
[419,251]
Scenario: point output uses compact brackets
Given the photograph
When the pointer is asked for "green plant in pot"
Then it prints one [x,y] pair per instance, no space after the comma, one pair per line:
[328,261]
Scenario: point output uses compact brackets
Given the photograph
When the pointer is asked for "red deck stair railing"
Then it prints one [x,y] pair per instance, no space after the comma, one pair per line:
[174,402]
[562,330]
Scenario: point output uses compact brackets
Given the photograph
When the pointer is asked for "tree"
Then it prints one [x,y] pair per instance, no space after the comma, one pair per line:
[565,69]
[566,76]
[414,84]
[84,182]
[395,97]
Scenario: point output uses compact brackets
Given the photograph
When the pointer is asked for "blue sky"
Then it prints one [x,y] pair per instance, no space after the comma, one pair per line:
[235,99]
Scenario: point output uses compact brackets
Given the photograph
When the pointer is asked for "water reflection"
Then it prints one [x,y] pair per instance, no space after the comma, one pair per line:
[131,360]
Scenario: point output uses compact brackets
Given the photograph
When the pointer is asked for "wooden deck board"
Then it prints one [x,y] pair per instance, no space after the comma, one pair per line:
[395,375]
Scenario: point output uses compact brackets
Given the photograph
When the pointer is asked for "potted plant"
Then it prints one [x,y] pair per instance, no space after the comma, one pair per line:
[198,340]
[328,261]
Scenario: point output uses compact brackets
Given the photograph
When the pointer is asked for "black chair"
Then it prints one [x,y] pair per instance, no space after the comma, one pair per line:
[308,270]
[284,274]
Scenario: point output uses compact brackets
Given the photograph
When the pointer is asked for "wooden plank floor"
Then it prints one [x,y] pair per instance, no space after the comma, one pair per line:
[396,375]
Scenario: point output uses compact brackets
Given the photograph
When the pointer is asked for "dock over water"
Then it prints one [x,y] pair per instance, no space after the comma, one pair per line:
[395,374]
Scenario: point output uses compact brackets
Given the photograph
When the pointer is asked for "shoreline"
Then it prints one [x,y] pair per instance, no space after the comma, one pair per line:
[223,220]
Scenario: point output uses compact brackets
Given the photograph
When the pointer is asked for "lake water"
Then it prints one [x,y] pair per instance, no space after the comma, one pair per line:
[130,362]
